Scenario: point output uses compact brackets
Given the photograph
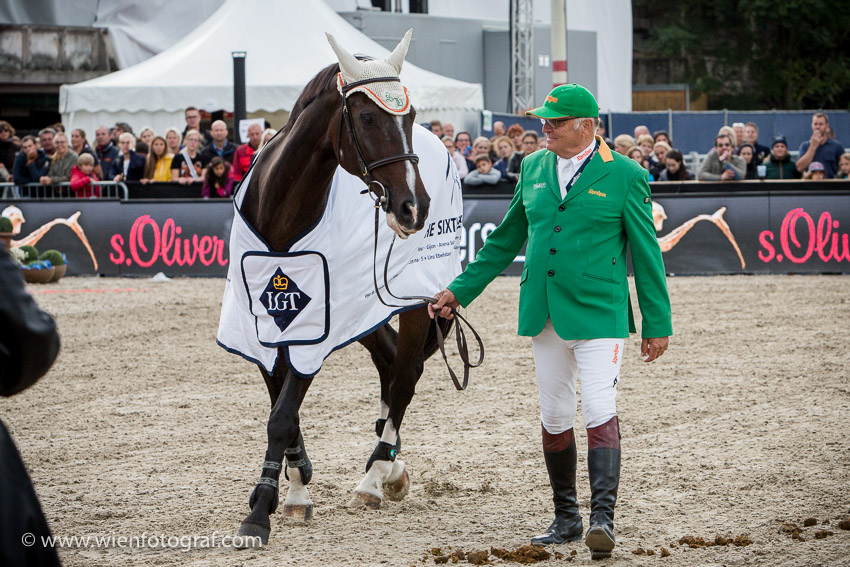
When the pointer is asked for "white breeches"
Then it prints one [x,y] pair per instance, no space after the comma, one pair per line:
[559,363]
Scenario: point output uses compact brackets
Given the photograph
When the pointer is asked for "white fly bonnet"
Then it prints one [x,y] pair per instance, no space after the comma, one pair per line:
[391,96]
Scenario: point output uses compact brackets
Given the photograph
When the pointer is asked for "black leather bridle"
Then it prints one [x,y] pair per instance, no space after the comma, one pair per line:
[382,202]
[365,167]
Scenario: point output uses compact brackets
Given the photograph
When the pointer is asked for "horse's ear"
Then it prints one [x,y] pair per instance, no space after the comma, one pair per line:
[350,67]
[396,58]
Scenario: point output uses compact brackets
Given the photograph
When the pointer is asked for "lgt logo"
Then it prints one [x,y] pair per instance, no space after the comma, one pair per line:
[283,299]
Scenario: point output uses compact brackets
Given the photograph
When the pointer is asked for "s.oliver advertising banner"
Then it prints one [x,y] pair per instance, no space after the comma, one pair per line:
[698,234]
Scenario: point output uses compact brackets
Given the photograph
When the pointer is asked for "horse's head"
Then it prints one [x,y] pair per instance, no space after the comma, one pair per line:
[375,141]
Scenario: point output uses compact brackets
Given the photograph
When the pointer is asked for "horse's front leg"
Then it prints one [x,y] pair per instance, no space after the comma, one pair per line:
[386,475]
[284,441]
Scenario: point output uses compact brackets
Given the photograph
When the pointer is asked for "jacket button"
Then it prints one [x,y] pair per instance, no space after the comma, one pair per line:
[561,208]
[552,251]
[551,273]
[557,229]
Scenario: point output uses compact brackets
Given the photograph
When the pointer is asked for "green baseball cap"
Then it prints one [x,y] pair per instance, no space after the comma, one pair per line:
[564,101]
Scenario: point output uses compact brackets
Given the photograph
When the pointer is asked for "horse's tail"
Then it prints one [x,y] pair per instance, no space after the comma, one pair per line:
[431,344]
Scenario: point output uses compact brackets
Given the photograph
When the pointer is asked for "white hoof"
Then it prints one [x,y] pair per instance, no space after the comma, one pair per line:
[397,485]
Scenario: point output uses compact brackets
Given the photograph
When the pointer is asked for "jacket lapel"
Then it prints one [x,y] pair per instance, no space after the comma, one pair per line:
[595,170]
[550,173]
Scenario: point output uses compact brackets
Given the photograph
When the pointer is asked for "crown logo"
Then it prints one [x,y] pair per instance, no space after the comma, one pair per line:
[550,98]
[280,282]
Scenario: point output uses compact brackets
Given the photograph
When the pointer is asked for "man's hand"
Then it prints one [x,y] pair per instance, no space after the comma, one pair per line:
[724,155]
[446,301]
[45,180]
[818,139]
[727,175]
[653,348]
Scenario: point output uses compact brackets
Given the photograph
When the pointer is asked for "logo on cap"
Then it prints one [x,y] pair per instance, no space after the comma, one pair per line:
[550,98]
[283,299]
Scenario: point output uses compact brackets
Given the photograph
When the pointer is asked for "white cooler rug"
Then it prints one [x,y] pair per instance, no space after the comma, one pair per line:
[319,295]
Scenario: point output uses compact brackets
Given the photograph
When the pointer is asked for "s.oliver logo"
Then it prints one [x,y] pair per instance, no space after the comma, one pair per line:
[800,239]
[283,299]
[148,243]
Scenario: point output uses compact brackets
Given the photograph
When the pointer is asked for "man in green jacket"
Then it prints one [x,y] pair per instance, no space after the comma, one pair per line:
[576,206]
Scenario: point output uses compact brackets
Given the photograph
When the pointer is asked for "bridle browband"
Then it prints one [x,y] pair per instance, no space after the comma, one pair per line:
[365,167]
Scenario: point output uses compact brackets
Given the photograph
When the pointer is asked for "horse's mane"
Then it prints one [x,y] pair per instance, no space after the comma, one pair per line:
[315,88]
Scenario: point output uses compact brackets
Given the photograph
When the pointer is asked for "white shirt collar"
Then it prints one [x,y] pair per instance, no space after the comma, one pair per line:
[567,167]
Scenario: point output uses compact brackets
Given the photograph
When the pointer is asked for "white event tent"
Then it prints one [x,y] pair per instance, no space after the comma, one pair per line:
[286,46]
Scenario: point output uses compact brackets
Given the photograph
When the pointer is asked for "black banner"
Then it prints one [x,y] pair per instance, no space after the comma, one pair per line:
[730,233]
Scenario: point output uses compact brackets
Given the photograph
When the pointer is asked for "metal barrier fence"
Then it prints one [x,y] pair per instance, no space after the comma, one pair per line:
[108,190]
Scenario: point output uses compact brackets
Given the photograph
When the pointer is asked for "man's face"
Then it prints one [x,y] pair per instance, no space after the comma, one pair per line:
[751,134]
[483,166]
[722,145]
[819,124]
[219,132]
[449,130]
[101,135]
[29,148]
[193,119]
[255,134]
[46,140]
[780,151]
[499,128]
[563,139]
[437,131]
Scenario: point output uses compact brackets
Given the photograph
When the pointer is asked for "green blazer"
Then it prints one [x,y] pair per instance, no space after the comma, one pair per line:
[575,259]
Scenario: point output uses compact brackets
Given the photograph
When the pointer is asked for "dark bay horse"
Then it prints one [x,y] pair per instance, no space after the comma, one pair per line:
[331,125]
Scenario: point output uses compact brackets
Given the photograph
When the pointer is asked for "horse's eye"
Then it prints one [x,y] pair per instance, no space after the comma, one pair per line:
[367,118]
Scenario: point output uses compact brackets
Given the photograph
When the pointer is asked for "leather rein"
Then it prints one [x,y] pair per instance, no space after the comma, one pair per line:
[382,203]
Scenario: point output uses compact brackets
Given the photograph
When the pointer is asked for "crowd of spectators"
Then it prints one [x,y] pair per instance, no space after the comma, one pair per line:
[206,157]
[211,159]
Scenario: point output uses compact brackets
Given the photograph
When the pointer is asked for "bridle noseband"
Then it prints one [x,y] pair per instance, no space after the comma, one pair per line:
[365,167]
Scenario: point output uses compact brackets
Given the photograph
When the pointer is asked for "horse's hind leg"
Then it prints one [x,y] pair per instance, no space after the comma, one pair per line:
[385,474]
[284,441]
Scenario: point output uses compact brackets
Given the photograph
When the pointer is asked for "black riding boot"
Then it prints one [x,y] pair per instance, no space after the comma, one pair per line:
[559,452]
[603,465]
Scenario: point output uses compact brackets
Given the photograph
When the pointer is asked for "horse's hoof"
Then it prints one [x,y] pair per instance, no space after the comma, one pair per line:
[398,489]
[298,512]
[365,499]
[251,536]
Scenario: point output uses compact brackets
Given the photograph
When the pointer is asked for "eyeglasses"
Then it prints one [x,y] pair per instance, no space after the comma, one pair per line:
[555,122]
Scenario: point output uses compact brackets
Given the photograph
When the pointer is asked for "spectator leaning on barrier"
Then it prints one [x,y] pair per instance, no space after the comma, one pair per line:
[816,172]
[820,147]
[244,154]
[81,146]
[63,161]
[106,151]
[172,141]
[157,162]
[82,175]
[218,181]
[623,143]
[186,165]
[515,133]
[751,136]
[721,164]
[505,149]
[146,135]
[779,164]
[676,169]
[31,163]
[483,172]
[193,122]
[220,145]
[29,344]
[747,153]
[121,128]
[45,140]
[843,167]
[129,166]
